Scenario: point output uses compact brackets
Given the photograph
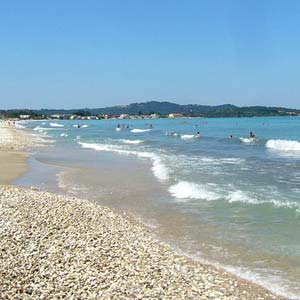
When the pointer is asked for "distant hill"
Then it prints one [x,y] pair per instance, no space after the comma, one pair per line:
[165,108]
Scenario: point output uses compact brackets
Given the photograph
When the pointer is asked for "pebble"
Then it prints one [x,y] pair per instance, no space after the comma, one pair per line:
[57,247]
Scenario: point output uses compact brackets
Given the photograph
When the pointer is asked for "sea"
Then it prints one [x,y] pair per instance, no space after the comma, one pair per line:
[202,186]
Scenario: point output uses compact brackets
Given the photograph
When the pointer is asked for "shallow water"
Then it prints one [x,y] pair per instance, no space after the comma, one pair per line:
[232,201]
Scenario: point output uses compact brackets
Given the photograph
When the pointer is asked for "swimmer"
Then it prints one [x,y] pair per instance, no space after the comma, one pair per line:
[252,135]
[197,135]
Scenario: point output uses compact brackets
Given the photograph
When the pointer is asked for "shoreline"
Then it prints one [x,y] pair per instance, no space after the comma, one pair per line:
[13,157]
[14,162]
[178,277]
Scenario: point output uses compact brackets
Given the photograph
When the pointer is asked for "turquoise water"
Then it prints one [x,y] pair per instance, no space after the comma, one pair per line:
[232,201]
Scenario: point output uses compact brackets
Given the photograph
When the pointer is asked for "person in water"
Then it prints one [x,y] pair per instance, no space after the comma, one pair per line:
[252,135]
[230,136]
[78,126]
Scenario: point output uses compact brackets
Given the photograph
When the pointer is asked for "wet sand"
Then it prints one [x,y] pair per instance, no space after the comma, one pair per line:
[13,164]
[13,158]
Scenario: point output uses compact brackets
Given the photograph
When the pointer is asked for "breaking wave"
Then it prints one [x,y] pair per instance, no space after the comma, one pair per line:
[158,168]
[42,129]
[190,190]
[56,125]
[135,142]
[186,191]
[248,140]
[284,146]
[18,125]
[137,130]
[187,136]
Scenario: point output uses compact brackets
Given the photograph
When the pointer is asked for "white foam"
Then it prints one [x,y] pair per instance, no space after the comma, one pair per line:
[46,141]
[137,130]
[220,161]
[171,133]
[70,187]
[250,198]
[248,140]
[158,168]
[42,129]
[18,125]
[56,125]
[275,282]
[190,190]
[135,142]
[185,191]
[187,136]
[64,135]
[81,126]
[38,128]
[287,146]
[240,196]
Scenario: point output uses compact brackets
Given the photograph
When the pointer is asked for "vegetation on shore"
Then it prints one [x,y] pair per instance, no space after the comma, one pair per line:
[163,109]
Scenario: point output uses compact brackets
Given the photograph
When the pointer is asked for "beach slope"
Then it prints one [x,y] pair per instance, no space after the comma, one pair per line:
[13,160]
[54,247]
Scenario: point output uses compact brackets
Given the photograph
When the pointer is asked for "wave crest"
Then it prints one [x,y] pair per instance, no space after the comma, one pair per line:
[158,168]
[137,130]
[134,142]
[248,140]
[284,145]
[189,190]
[187,136]
[56,125]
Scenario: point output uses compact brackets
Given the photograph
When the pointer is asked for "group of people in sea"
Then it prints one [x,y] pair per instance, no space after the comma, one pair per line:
[197,134]
[9,123]
[127,126]
[123,126]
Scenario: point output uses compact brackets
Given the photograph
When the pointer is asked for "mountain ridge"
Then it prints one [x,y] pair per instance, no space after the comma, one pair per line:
[165,108]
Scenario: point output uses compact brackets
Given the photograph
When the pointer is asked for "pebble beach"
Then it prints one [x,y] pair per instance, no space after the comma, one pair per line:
[58,247]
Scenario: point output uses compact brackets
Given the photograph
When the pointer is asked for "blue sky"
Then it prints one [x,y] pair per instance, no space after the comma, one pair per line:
[66,54]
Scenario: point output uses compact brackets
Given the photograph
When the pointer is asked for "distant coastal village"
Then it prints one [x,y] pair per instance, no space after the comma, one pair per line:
[91,117]
[150,110]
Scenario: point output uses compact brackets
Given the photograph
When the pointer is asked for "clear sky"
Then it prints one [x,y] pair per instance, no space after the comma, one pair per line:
[66,54]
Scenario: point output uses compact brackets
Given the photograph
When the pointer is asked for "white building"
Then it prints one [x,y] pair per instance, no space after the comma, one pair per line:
[175,115]
[124,116]
[24,116]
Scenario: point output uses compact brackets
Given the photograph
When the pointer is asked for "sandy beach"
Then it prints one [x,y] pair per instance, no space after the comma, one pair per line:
[12,155]
[57,247]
